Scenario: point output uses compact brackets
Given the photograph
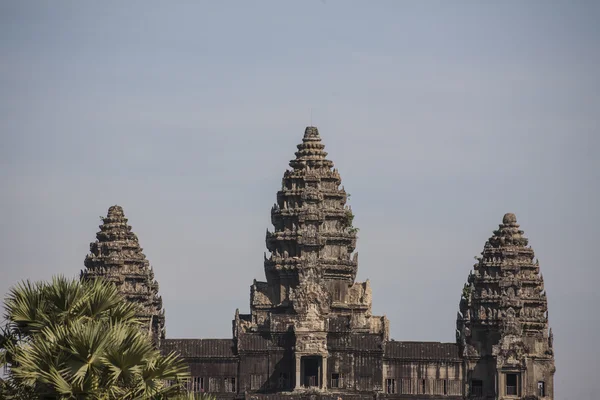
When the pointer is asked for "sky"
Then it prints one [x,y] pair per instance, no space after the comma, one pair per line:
[440,116]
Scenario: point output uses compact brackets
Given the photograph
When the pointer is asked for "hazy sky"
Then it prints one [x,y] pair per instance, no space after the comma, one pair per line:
[440,116]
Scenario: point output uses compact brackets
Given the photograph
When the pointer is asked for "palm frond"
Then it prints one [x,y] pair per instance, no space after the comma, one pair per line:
[81,340]
[26,308]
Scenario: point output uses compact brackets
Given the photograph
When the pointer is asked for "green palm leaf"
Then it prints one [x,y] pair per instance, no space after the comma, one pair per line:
[67,339]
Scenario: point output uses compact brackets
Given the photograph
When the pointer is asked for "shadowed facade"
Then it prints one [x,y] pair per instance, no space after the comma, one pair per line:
[311,333]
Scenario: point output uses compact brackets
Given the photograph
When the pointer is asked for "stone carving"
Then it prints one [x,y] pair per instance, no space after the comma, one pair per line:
[511,351]
[259,294]
[311,344]
[309,298]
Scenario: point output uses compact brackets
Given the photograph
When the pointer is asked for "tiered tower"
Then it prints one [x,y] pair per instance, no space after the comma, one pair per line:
[116,256]
[312,243]
[502,326]
[313,226]
[310,293]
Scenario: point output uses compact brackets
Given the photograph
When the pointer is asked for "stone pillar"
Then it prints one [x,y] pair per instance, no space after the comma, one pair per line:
[497,384]
[522,386]
[324,373]
[501,385]
[298,370]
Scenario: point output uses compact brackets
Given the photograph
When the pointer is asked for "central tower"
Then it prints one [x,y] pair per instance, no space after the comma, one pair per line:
[313,237]
[310,314]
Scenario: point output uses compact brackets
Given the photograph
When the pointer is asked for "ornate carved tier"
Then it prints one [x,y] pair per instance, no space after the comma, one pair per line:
[116,255]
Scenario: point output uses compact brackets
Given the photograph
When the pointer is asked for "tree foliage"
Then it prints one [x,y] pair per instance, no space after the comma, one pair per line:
[71,339]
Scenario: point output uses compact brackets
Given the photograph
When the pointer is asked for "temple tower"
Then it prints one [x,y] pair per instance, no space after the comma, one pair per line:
[310,300]
[313,226]
[116,256]
[502,325]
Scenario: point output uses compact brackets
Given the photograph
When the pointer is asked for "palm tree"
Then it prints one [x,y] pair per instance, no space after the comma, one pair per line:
[71,339]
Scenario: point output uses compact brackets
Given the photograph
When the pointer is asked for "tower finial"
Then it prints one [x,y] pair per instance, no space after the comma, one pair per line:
[311,132]
[509,219]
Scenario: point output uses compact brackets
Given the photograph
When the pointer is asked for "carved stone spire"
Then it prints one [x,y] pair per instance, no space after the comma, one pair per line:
[313,226]
[311,265]
[504,294]
[116,256]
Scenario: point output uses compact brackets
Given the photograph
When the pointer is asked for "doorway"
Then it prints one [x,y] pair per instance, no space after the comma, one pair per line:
[311,371]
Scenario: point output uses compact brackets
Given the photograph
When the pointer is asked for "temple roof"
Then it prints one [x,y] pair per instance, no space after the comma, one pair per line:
[422,351]
[200,348]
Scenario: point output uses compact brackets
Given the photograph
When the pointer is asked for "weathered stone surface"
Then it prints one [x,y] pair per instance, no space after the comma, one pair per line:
[116,255]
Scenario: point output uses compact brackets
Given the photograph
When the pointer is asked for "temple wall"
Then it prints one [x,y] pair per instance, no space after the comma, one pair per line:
[423,377]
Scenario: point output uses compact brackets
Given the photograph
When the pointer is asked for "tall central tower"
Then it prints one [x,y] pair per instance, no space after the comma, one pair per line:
[310,307]
[313,236]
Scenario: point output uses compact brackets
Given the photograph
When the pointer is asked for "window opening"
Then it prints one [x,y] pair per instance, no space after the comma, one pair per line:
[541,389]
[229,385]
[511,384]
[335,380]
[390,386]
[198,384]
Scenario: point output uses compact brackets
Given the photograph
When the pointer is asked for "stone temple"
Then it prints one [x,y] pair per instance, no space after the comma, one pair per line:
[311,332]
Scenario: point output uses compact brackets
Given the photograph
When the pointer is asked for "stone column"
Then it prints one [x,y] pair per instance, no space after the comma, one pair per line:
[521,384]
[501,385]
[324,373]
[298,368]
[497,384]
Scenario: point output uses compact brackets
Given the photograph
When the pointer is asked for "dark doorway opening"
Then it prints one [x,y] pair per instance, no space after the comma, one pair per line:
[512,384]
[311,368]
[476,387]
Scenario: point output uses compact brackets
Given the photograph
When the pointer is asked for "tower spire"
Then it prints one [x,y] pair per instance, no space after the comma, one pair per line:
[505,291]
[116,256]
[311,152]
[313,227]
[503,320]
